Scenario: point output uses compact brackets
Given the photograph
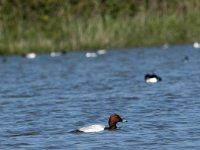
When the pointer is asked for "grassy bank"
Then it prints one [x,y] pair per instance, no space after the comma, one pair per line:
[53,33]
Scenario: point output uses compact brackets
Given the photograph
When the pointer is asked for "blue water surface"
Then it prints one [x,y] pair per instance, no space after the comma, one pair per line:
[43,99]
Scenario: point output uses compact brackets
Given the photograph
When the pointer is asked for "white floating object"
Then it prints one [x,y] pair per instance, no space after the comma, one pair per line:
[90,54]
[55,54]
[101,52]
[30,55]
[196,45]
[165,46]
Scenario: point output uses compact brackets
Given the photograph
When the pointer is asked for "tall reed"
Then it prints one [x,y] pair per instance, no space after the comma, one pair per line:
[56,33]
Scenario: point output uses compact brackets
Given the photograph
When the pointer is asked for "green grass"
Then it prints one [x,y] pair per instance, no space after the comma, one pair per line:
[56,34]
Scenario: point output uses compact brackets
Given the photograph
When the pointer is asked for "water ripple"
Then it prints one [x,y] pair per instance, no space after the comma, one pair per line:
[42,100]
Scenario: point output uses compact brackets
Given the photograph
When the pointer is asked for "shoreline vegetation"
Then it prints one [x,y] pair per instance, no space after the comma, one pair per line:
[72,25]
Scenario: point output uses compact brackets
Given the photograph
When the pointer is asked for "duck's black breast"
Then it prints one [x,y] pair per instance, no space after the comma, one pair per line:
[110,128]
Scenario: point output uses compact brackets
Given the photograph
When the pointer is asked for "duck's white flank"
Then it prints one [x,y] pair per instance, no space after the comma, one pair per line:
[101,52]
[30,55]
[90,55]
[92,128]
[55,54]
[196,45]
[152,80]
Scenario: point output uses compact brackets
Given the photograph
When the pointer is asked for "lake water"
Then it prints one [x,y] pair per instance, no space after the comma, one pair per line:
[43,99]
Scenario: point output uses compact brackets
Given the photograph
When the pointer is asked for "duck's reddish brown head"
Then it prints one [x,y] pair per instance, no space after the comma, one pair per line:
[113,120]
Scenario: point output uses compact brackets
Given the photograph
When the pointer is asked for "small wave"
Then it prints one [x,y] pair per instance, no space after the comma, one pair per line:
[131,98]
[28,133]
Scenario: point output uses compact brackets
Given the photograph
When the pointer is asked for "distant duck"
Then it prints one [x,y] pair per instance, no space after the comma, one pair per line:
[55,54]
[29,55]
[58,53]
[196,45]
[165,46]
[112,122]
[63,52]
[91,54]
[186,59]
[101,52]
[4,60]
[152,78]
